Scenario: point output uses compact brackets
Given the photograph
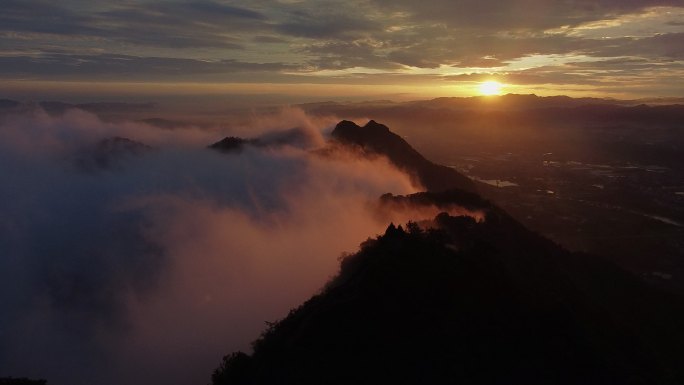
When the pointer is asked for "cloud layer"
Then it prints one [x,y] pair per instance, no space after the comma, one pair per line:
[150,271]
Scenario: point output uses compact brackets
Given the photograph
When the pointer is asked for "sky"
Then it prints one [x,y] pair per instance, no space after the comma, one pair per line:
[341,48]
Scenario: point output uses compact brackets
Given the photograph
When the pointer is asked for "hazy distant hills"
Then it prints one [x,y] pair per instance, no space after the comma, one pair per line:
[507,102]
[503,103]
[512,112]
[108,154]
[470,302]
[55,107]
[456,300]
[8,104]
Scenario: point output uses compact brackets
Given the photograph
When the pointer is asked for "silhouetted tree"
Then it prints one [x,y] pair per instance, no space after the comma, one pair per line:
[413,228]
[234,369]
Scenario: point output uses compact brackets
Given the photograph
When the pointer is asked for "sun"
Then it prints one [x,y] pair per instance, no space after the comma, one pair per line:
[490,87]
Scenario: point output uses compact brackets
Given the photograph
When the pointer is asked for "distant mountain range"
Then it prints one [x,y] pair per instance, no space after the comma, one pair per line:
[503,102]
[512,111]
[454,299]
[55,107]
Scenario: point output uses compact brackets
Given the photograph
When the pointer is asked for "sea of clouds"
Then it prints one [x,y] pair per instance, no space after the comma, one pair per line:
[150,267]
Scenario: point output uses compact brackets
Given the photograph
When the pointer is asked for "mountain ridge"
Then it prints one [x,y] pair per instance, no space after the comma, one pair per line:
[377,138]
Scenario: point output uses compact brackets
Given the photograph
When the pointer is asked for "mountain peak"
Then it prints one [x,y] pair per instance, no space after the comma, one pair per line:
[373,125]
[230,144]
[377,138]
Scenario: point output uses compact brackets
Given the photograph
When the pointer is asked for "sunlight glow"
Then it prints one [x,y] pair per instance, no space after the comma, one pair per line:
[490,88]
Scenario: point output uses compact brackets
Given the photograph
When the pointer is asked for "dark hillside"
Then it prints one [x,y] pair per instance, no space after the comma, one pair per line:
[474,303]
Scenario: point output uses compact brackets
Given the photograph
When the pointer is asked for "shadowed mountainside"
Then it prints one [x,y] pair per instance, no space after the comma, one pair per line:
[460,301]
[377,138]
